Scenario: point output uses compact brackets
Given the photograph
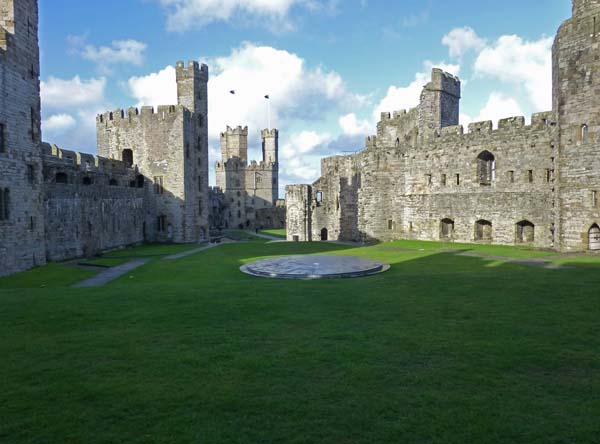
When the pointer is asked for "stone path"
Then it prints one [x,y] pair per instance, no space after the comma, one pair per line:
[264,236]
[110,274]
[189,252]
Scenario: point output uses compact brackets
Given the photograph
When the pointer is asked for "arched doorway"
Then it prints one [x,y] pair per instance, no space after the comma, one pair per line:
[483,230]
[446,229]
[324,234]
[525,232]
[594,236]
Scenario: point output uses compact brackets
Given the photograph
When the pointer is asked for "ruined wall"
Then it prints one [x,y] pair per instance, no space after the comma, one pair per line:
[298,200]
[91,204]
[273,217]
[21,221]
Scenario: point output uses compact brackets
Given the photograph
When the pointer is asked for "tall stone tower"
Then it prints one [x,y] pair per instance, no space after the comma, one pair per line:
[440,101]
[576,106]
[21,208]
[270,150]
[169,147]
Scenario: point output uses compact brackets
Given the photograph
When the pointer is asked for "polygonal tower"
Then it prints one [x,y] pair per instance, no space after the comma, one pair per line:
[576,106]
[21,207]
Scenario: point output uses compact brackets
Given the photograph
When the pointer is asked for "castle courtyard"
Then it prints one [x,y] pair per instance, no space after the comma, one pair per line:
[455,343]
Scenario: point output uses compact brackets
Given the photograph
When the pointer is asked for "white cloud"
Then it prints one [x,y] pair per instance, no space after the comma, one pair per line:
[461,41]
[352,126]
[69,109]
[183,15]
[155,89]
[499,106]
[130,52]
[406,97]
[58,123]
[303,143]
[72,92]
[525,64]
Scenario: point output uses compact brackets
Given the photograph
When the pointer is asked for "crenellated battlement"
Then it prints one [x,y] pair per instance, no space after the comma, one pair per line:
[237,131]
[193,70]
[266,133]
[57,157]
[444,81]
[163,112]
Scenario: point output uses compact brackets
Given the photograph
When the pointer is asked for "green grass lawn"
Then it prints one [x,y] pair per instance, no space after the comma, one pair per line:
[440,349]
[277,233]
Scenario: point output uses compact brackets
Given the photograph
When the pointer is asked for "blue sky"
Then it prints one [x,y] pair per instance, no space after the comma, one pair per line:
[330,66]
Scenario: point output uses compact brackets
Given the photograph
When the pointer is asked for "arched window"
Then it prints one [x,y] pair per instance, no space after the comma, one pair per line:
[87,180]
[61,178]
[486,168]
[594,238]
[585,133]
[525,232]
[446,229]
[113,182]
[127,158]
[483,230]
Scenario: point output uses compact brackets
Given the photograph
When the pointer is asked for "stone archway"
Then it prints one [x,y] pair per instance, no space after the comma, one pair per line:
[324,234]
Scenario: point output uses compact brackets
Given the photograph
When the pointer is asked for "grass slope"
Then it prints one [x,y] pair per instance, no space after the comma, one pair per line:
[440,349]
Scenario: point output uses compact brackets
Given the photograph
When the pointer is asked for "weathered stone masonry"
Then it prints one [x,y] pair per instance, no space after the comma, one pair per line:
[148,183]
[422,177]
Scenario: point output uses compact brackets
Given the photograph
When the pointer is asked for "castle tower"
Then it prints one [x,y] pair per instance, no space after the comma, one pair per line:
[234,143]
[270,145]
[440,99]
[576,107]
[192,89]
[21,209]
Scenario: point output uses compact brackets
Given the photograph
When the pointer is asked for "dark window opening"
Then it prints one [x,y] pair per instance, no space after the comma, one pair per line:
[530,176]
[483,230]
[390,224]
[324,234]
[161,224]
[87,180]
[61,178]
[139,181]
[4,204]
[31,174]
[511,176]
[3,141]
[525,232]
[158,185]
[444,180]
[113,182]
[486,168]
[127,158]
[458,179]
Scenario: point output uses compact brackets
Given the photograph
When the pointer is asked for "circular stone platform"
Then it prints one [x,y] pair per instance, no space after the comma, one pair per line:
[314,267]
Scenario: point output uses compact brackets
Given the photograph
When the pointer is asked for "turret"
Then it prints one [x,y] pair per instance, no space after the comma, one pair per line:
[192,90]
[234,143]
[270,145]
[440,101]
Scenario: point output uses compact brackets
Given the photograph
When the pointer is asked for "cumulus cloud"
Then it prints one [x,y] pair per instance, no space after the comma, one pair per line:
[72,92]
[155,89]
[58,123]
[525,64]
[129,52]
[183,15]
[351,125]
[69,109]
[498,106]
[461,41]
[406,97]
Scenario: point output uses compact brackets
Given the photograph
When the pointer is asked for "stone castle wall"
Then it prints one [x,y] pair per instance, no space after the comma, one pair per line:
[422,177]
[91,204]
[21,205]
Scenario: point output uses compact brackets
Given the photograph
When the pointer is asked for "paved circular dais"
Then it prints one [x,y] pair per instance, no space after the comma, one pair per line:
[314,267]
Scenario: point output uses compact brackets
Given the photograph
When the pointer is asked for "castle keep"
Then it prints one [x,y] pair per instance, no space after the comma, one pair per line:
[148,183]
[423,177]
[246,194]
